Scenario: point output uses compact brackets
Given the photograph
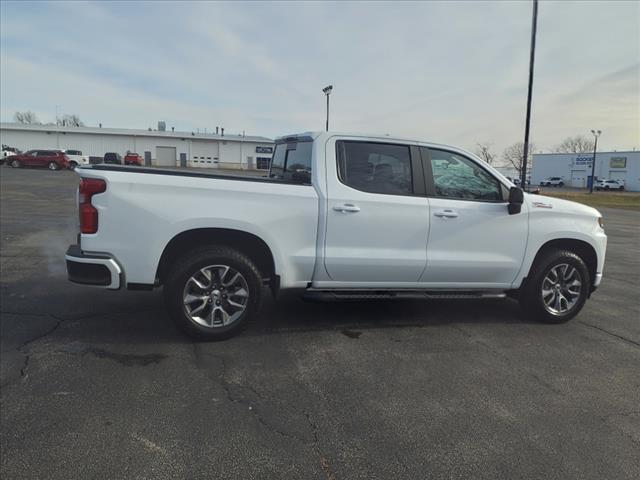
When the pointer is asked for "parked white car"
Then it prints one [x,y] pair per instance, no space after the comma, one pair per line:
[76,158]
[340,216]
[552,182]
[609,185]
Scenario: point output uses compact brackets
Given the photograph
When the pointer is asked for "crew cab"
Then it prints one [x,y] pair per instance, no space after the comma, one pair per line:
[340,216]
[51,159]
[604,184]
[76,158]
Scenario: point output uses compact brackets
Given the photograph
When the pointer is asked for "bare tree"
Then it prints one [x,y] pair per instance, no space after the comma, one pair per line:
[577,144]
[483,150]
[27,118]
[71,121]
[513,156]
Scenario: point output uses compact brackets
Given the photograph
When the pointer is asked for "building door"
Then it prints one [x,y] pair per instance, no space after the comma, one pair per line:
[183,159]
[166,156]
[578,178]
[617,175]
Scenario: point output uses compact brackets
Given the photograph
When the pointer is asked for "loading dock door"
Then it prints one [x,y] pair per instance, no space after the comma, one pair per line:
[578,178]
[617,175]
[166,156]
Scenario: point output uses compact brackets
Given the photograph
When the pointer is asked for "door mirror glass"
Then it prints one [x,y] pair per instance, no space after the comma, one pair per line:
[516,199]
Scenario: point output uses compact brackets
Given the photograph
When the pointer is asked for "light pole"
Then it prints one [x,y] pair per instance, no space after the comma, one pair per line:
[327,92]
[596,134]
[532,55]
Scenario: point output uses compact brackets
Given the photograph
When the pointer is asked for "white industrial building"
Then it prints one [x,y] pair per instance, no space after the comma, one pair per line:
[157,147]
[575,168]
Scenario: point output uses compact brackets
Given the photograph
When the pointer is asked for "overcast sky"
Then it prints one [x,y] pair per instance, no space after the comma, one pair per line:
[450,72]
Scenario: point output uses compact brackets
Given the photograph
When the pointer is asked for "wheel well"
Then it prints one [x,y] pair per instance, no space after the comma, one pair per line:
[246,243]
[585,251]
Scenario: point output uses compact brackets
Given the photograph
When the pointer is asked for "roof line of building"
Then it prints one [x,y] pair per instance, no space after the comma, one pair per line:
[588,153]
[133,132]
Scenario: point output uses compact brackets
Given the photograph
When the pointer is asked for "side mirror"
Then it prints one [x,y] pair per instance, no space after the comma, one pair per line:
[516,199]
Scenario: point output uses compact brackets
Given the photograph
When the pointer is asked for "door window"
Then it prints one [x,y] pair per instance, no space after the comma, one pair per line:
[292,161]
[458,177]
[375,167]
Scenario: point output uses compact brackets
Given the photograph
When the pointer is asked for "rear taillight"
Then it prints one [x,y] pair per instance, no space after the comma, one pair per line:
[88,213]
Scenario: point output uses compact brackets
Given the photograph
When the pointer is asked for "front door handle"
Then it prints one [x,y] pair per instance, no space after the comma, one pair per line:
[347,208]
[446,213]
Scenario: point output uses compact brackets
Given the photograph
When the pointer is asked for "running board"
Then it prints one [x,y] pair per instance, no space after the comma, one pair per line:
[337,295]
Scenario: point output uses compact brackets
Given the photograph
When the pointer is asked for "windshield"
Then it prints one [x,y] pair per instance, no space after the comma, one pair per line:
[292,161]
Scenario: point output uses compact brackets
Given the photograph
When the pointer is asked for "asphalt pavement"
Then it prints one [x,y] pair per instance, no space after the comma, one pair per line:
[100,384]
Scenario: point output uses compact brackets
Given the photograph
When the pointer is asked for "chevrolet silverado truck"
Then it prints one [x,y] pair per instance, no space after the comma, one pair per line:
[339,216]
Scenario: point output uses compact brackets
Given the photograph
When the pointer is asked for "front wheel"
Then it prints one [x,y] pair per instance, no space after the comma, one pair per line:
[16,164]
[73,165]
[212,292]
[557,287]
[621,188]
[607,187]
[561,184]
[53,166]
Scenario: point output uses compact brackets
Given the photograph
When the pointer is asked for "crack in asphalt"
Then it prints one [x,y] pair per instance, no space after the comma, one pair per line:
[234,397]
[22,348]
[604,330]
[499,354]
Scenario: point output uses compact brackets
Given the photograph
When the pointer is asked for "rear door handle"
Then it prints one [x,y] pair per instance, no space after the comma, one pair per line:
[347,208]
[446,213]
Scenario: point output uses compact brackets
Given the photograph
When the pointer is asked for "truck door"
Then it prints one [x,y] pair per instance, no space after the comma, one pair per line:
[377,213]
[473,241]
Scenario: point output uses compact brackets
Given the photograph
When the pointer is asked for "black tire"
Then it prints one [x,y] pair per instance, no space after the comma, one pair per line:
[606,187]
[621,188]
[188,265]
[73,165]
[561,184]
[16,163]
[531,295]
[53,166]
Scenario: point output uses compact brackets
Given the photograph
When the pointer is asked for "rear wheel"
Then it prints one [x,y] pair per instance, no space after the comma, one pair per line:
[212,292]
[557,287]
[621,188]
[73,165]
[606,187]
[561,184]
[16,163]
[53,166]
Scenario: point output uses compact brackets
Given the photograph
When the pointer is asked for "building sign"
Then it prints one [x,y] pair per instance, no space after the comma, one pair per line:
[582,160]
[264,149]
[618,162]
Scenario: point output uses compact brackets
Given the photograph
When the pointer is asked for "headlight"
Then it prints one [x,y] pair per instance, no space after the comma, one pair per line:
[601,222]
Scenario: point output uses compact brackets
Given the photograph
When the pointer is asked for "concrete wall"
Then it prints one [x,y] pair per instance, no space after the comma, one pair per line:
[232,153]
[575,168]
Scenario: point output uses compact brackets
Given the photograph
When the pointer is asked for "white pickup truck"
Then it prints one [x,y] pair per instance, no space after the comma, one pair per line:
[340,216]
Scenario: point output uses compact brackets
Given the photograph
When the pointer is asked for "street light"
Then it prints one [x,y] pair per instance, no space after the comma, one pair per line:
[596,134]
[327,92]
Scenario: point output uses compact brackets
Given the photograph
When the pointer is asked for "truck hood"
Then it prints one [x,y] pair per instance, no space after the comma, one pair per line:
[559,205]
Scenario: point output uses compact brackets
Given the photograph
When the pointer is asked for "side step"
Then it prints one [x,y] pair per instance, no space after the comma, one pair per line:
[340,295]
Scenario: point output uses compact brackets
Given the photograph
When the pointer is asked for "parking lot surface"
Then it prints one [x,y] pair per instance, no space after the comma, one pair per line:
[100,384]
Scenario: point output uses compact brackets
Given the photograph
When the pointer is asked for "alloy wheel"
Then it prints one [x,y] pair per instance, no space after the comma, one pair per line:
[561,289]
[215,296]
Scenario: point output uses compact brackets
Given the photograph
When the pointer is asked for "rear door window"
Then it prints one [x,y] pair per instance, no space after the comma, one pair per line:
[375,167]
[292,161]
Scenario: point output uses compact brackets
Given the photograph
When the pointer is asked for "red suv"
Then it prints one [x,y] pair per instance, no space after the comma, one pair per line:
[52,159]
[132,159]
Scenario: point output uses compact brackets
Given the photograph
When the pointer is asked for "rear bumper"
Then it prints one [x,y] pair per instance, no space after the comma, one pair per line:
[96,269]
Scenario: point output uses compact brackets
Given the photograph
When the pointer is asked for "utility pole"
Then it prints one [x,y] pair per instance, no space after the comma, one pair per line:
[596,134]
[532,54]
[327,92]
